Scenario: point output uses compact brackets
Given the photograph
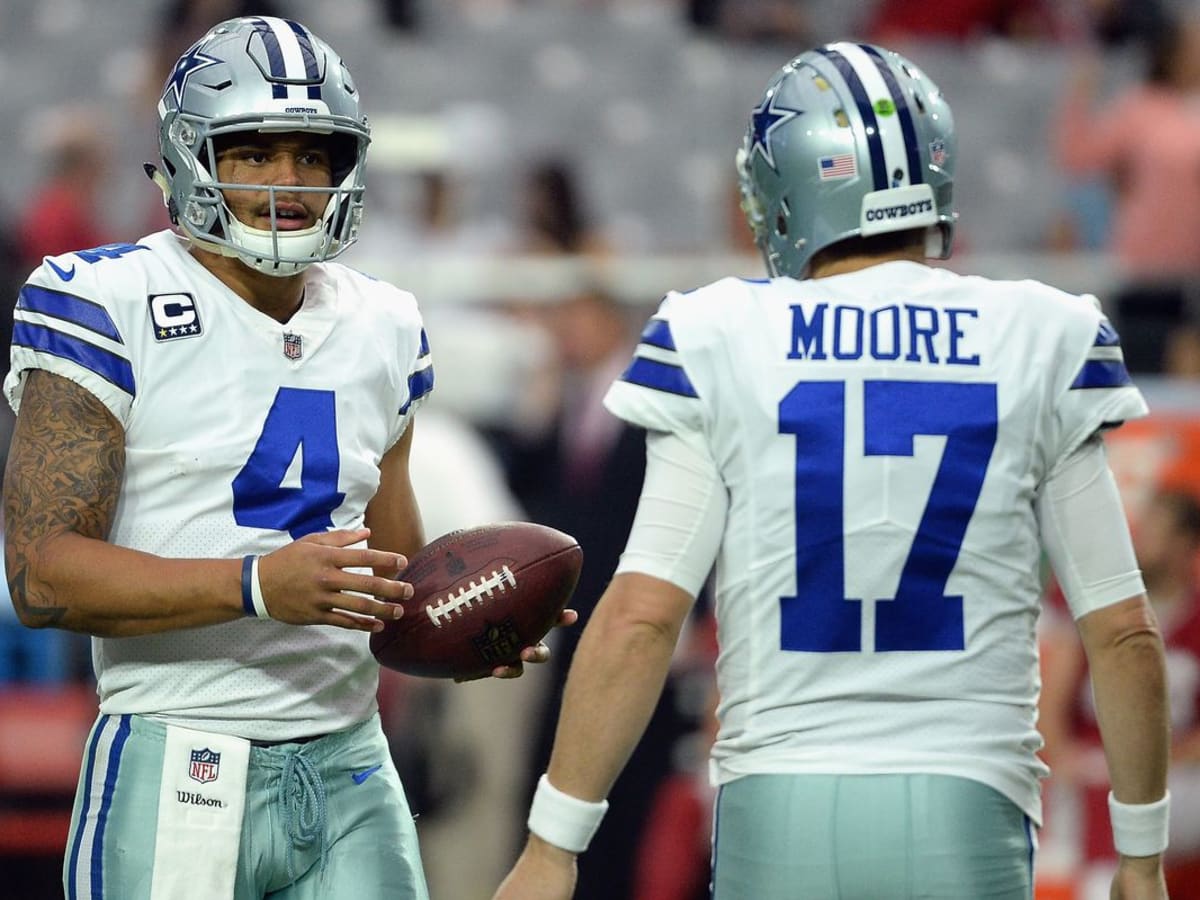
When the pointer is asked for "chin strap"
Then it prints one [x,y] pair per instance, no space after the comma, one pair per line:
[160,179]
[278,269]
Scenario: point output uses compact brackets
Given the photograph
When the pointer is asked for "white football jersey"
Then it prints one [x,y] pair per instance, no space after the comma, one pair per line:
[881,435]
[241,435]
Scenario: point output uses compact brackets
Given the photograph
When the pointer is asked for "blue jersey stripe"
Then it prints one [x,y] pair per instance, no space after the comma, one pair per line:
[69,308]
[311,69]
[1101,373]
[658,334]
[424,351]
[651,373]
[110,785]
[109,366]
[419,384]
[907,128]
[879,171]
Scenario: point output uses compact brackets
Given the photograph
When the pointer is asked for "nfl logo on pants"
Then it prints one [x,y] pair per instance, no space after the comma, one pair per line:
[205,766]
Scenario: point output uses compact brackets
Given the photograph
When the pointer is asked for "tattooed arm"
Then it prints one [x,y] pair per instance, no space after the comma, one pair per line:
[66,464]
[65,469]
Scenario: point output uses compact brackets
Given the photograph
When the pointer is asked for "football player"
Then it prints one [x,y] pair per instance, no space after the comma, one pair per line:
[874,453]
[210,475]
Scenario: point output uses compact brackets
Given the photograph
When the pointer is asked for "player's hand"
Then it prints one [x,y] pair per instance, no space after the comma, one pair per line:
[537,654]
[1139,878]
[543,872]
[307,582]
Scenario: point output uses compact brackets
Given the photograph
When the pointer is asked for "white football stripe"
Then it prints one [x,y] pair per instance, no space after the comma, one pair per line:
[895,153]
[293,56]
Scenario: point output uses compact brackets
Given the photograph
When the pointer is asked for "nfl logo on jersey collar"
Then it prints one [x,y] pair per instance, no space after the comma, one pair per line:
[293,345]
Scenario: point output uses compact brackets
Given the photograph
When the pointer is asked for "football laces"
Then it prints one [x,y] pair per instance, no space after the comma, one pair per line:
[467,596]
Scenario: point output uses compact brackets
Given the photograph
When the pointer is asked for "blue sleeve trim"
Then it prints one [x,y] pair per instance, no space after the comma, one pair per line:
[657,333]
[1107,336]
[661,377]
[1097,373]
[112,368]
[419,384]
[85,313]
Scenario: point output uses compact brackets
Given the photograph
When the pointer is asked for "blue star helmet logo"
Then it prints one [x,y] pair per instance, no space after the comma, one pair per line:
[189,64]
[765,119]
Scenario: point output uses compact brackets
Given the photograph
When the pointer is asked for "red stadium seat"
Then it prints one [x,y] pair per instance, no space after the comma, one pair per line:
[42,734]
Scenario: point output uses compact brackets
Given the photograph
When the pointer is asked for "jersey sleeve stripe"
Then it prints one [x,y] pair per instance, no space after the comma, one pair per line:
[659,376]
[658,334]
[419,384]
[112,368]
[1106,336]
[1101,374]
[424,351]
[69,308]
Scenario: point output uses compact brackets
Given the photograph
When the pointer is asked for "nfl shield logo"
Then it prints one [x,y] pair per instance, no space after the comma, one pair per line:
[937,152]
[206,765]
[293,346]
[498,641]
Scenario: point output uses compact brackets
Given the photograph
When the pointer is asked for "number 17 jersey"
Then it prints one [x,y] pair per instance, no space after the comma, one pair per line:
[882,436]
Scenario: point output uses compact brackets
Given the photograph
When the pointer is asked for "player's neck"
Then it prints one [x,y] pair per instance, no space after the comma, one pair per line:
[276,297]
[855,262]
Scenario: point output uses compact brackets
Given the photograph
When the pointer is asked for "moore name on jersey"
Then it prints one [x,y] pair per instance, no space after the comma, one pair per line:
[887,333]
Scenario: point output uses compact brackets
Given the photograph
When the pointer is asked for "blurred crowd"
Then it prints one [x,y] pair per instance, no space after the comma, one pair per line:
[516,429]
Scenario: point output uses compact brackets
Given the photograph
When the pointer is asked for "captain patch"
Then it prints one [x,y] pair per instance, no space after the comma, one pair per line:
[174,316]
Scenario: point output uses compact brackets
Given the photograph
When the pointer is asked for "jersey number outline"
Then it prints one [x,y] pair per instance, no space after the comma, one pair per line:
[299,420]
[821,619]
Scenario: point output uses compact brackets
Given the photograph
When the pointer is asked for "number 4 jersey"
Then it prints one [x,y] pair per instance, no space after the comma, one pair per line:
[241,435]
[882,436]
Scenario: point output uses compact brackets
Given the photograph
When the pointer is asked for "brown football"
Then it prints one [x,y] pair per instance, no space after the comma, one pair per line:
[480,595]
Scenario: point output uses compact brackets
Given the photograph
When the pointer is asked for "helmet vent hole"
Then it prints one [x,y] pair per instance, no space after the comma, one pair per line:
[781,225]
[920,103]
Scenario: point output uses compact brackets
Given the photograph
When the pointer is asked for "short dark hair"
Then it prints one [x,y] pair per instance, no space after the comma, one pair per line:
[875,245]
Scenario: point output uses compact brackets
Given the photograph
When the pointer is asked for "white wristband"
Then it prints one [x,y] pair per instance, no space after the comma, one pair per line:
[563,820]
[1139,829]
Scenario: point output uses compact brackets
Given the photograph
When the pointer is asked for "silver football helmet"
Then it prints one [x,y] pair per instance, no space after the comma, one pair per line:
[267,75]
[849,140]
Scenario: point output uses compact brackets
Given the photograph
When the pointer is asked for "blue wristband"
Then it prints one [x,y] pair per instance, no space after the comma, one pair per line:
[248,585]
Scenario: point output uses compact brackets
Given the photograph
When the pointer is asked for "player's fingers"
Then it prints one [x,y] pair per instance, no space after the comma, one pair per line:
[339,537]
[342,619]
[372,586]
[567,618]
[514,671]
[364,605]
[368,558]
[539,653]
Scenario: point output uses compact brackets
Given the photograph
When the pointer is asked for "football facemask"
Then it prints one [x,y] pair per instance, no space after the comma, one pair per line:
[266,75]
